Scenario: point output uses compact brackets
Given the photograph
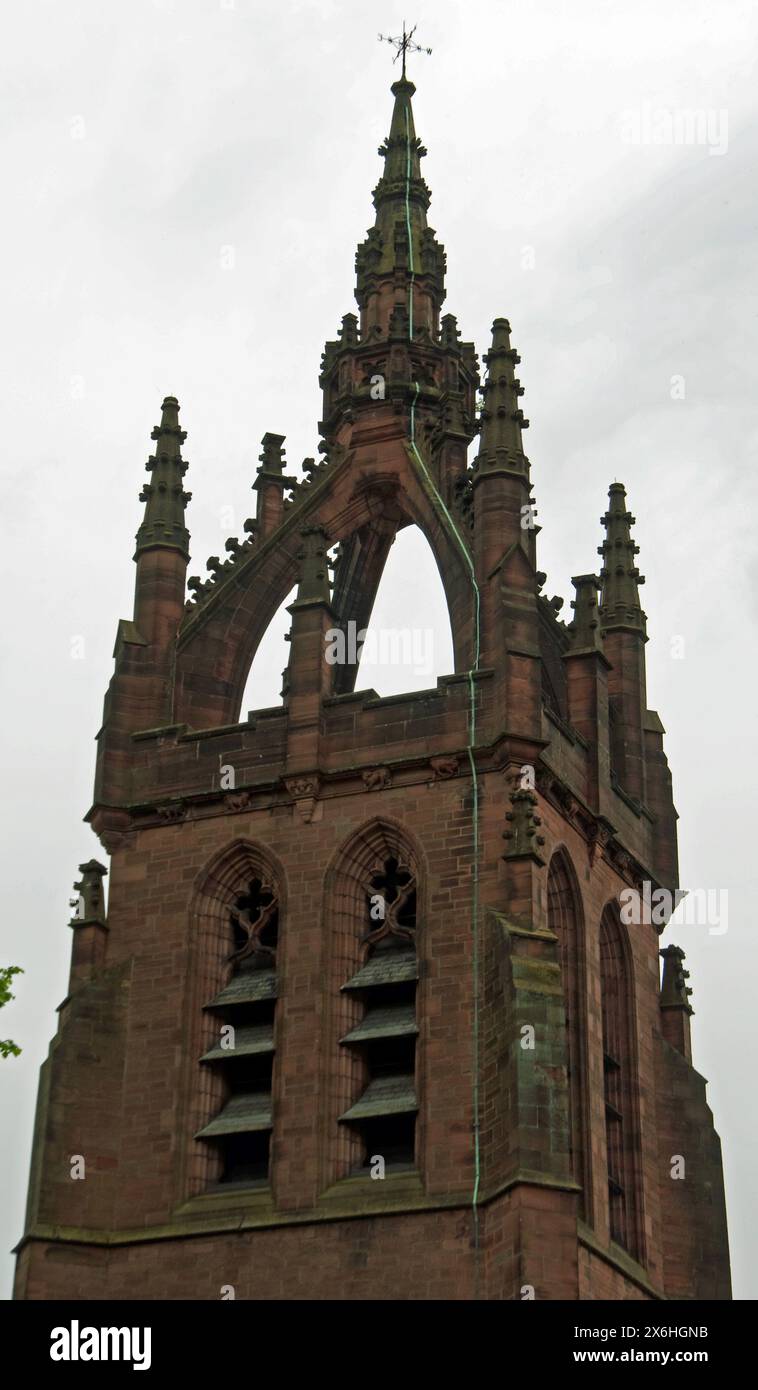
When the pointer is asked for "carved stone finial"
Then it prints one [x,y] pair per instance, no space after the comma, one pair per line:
[90,904]
[675,992]
[313,584]
[585,627]
[349,331]
[271,456]
[449,334]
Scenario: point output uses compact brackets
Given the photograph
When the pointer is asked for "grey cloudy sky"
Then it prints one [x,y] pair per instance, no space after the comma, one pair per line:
[145,147]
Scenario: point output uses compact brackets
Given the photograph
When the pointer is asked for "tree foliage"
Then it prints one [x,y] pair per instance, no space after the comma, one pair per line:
[7,1047]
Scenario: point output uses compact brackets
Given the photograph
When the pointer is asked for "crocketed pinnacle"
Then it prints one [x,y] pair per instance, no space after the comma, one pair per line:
[502,419]
[401,146]
[620,606]
[164,496]
[271,460]
[675,992]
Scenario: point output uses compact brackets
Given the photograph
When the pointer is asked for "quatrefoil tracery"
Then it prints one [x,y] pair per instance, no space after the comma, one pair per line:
[254,917]
[397,889]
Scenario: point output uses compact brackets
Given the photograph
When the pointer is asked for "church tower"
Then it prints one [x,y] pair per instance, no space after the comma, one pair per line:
[375,1011]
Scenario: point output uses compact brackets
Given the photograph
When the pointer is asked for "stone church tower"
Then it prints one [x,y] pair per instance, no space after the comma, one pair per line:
[366,1017]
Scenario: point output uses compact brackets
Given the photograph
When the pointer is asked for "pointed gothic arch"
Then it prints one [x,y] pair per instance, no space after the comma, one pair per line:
[565,918]
[237,911]
[265,684]
[374,993]
[408,640]
[219,637]
[620,1071]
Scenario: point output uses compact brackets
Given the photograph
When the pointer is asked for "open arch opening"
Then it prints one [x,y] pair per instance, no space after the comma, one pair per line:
[264,687]
[375,893]
[236,915]
[408,643]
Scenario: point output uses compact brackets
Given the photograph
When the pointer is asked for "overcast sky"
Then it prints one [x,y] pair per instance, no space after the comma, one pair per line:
[185,184]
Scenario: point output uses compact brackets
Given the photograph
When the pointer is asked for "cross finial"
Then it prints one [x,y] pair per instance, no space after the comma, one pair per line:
[404,43]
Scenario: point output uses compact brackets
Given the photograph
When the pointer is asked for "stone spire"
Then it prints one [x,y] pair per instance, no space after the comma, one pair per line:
[164,496]
[620,606]
[401,246]
[502,419]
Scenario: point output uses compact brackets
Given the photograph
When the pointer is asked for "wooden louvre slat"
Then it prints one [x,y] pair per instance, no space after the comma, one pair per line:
[385,968]
[386,1095]
[248,987]
[243,1114]
[395,1021]
[249,1041]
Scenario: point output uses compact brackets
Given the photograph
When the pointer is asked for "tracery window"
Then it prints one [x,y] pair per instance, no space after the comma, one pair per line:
[244,1050]
[383,1117]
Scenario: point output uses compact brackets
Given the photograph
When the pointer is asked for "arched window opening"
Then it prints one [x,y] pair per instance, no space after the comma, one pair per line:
[381,999]
[563,920]
[408,641]
[267,678]
[620,1104]
[241,1056]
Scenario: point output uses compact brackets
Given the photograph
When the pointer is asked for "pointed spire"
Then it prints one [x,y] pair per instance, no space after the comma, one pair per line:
[163,524]
[585,628]
[620,606]
[401,240]
[501,416]
[402,149]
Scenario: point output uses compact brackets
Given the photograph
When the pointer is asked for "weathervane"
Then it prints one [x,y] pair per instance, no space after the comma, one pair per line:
[403,44]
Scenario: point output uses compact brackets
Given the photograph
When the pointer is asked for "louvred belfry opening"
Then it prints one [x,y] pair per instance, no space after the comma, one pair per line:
[384,1115]
[244,1053]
